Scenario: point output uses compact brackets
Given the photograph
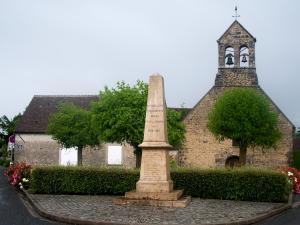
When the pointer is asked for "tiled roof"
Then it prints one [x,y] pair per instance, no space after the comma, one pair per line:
[36,116]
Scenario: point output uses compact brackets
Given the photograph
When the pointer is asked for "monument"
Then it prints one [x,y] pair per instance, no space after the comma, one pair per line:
[155,186]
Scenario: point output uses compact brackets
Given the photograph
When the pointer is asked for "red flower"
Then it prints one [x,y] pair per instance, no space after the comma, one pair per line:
[294,177]
[16,172]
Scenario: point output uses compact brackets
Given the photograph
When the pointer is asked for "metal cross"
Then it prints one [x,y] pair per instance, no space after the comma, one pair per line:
[236,15]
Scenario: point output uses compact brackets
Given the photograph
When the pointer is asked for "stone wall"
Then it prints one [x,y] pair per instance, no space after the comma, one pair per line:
[236,77]
[41,149]
[36,149]
[201,149]
[98,155]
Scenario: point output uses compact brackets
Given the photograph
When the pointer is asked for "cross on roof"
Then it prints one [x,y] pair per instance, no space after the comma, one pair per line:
[236,14]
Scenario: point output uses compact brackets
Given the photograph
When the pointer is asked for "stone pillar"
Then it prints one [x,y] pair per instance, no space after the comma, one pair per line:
[155,172]
[155,186]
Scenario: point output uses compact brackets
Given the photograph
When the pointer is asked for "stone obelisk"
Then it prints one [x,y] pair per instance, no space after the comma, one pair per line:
[155,186]
[155,173]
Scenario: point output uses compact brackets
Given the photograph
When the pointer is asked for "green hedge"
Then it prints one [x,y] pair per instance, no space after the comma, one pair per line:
[4,162]
[235,184]
[296,159]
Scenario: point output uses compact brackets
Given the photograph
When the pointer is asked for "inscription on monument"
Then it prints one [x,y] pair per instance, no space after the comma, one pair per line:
[155,122]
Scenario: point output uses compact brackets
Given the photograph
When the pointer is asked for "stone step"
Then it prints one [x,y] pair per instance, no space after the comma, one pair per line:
[171,196]
[180,203]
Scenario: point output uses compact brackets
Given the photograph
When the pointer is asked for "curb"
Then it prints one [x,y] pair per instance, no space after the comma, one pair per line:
[70,220]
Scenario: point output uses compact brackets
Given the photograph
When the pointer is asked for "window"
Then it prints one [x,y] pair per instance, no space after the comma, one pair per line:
[68,156]
[114,155]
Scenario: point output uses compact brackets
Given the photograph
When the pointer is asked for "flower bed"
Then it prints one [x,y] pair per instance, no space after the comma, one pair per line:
[294,178]
[18,174]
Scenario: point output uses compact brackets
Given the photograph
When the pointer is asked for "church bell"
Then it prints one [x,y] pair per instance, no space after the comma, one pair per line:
[229,59]
[244,59]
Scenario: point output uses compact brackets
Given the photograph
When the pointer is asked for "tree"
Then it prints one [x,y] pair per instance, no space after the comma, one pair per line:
[244,116]
[119,116]
[71,127]
[7,128]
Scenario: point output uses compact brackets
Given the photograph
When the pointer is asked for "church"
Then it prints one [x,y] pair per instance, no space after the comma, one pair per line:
[236,68]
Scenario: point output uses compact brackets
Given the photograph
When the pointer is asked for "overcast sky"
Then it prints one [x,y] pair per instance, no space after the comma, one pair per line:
[74,47]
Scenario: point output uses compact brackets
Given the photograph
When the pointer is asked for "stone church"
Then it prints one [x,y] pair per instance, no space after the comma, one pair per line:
[201,149]
[236,68]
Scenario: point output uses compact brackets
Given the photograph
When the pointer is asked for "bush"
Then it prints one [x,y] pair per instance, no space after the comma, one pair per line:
[294,178]
[247,184]
[296,159]
[234,184]
[4,162]
[18,174]
[82,180]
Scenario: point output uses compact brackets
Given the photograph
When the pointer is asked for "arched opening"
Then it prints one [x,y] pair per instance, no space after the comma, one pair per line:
[244,56]
[232,161]
[229,57]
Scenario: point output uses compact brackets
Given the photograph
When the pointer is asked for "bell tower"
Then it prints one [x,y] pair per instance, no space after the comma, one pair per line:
[236,58]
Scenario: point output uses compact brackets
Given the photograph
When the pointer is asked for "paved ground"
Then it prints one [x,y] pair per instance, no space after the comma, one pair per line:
[12,209]
[200,211]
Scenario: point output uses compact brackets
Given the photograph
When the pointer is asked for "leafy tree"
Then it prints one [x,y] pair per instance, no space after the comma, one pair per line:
[71,127]
[7,128]
[119,116]
[244,116]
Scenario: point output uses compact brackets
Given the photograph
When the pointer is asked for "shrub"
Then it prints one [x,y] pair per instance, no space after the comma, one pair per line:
[4,162]
[82,180]
[296,159]
[247,184]
[235,184]
[18,174]
[294,178]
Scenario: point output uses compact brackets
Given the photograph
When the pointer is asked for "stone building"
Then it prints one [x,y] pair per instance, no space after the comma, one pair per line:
[35,146]
[236,68]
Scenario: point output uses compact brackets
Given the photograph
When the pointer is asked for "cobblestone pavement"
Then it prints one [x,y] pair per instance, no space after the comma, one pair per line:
[200,211]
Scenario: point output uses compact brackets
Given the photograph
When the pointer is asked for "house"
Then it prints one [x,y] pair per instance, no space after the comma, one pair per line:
[236,68]
[35,146]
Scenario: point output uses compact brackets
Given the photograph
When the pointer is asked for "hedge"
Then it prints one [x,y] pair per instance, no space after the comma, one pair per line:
[232,184]
[4,162]
[296,159]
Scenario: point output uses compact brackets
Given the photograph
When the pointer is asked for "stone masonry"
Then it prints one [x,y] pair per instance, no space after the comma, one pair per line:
[41,149]
[201,149]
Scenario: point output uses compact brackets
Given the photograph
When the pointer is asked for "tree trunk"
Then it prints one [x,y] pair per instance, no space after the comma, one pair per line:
[243,153]
[79,156]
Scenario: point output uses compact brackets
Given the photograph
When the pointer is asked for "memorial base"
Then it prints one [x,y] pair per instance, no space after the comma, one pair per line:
[180,203]
[163,199]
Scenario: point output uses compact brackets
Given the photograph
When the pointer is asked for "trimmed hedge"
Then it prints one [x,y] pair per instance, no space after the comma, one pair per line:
[296,159]
[4,162]
[233,184]
[247,184]
[82,180]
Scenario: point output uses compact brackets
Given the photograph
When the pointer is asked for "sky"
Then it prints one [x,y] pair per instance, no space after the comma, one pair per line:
[76,47]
